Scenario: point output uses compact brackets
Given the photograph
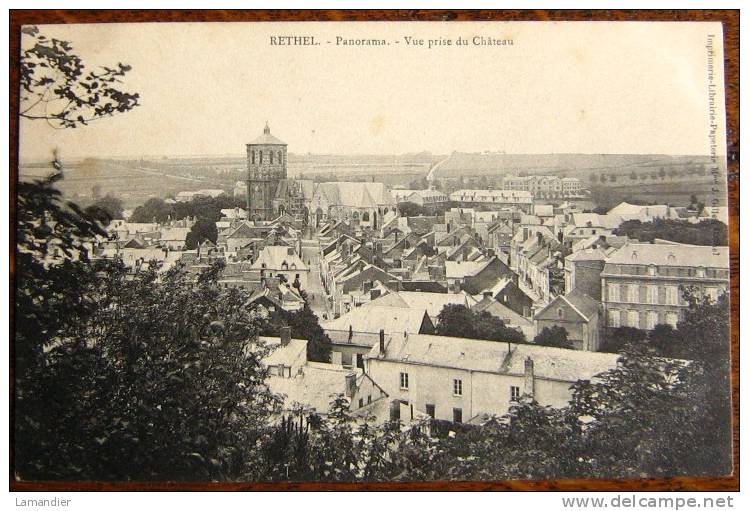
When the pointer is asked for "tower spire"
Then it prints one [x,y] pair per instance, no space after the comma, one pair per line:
[267,128]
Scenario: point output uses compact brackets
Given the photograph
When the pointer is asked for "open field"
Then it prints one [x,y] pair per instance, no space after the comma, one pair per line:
[639,178]
[134,181]
[645,178]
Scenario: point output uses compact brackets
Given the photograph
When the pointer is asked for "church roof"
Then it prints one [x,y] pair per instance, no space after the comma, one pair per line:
[267,139]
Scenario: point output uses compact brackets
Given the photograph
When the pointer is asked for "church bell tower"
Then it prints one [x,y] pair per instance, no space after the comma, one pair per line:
[266,167]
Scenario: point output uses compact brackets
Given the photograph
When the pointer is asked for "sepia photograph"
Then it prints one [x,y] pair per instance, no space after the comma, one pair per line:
[371,252]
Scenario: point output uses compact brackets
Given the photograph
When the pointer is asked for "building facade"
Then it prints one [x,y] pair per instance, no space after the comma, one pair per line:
[643,284]
[544,186]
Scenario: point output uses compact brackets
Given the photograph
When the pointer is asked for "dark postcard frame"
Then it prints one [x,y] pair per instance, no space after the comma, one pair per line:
[730,21]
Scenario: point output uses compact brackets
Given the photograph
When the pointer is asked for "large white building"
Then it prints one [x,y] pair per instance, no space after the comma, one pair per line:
[544,186]
[464,380]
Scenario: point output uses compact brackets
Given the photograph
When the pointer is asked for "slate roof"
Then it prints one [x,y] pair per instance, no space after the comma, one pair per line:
[314,387]
[267,139]
[496,357]
[608,221]
[355,194]
[174,233]
[626,209]
[458,270]
[295,350]
[671,255]
[371,317]
[431,302]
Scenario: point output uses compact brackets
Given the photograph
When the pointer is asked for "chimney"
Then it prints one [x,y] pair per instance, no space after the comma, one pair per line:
[382,342]
[350,385]
[374,294]
[529,378]
[285,335]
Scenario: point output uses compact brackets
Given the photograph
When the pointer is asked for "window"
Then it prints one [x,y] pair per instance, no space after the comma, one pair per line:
[672,318]
[632,293]
[457,415]
[652,319]
[261,156]
[430,410]
[652,296]
[514,393]
[613,292]
[361,402]
[271,157]
[457,387]
[614,318]
[280,158]
[404,381]
[671,295]
[369,399]
[252,157]
[633,319]
[712,293]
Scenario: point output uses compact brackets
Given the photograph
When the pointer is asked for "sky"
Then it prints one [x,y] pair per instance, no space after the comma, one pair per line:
[208,89]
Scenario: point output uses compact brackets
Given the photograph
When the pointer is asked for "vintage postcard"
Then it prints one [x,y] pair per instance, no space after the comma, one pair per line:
[371,252]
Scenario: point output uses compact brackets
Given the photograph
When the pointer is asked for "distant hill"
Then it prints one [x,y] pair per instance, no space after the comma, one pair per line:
[571,165]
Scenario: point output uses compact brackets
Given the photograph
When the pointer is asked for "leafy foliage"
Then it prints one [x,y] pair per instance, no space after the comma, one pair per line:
[203,229]
[707,233]
[460,321]
[555,337]
[126,375]
[304,324]
[56,87]
[106,209]
[615,340]
[157,210]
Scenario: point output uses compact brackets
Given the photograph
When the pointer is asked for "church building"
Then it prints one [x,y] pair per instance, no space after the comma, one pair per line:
[269,191]
[266,168]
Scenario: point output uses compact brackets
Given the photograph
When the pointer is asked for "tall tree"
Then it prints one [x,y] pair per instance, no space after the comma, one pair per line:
[106,209]
[203,229]
[555,336]
[459,321]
